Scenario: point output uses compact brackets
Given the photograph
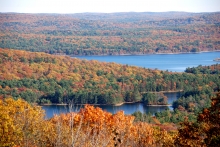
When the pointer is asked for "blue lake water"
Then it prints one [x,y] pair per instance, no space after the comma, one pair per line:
[171,62]
[128,108]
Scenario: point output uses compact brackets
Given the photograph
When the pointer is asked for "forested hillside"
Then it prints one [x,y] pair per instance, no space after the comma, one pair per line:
[111,34]
[44,78]
[22,124]
[36,69]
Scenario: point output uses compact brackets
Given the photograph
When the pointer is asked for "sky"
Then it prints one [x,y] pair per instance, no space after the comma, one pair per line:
[108,6]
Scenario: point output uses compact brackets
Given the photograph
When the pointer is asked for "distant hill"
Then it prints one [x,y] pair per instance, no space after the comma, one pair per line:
[43,78]
[111,33]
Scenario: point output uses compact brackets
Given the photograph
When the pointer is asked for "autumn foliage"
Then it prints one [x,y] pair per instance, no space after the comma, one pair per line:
[204,132]
[24,125]
[110,34]
[43,78]
[21,124]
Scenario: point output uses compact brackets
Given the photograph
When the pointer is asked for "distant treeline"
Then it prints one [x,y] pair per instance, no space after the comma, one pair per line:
[111,34]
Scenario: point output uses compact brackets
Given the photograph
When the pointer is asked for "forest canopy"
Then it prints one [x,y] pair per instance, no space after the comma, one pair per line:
[111,34]
[36,69]
[44,78]
[94,127]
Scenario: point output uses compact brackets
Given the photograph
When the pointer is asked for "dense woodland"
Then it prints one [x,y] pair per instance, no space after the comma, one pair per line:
[29,76]
[111,34]
[95,127]
[43,78]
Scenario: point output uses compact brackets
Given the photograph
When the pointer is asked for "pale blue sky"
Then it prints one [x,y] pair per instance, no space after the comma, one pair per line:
[78,6]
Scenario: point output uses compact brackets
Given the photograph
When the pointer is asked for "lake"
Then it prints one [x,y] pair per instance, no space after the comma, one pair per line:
[128,108]
[170,62]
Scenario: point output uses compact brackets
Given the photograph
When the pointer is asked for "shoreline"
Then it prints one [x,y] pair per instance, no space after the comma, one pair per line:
[164,91]
[75,56]
[65,104]
[118,104]
[160,105]
[122,103]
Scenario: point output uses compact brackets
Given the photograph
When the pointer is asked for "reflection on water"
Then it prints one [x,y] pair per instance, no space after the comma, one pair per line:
[128,108]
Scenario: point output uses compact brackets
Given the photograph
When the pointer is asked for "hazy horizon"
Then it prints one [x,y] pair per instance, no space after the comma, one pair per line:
[108,6]
[109,12]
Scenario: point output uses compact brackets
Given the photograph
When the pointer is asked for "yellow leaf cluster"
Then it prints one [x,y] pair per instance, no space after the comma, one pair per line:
[24,125]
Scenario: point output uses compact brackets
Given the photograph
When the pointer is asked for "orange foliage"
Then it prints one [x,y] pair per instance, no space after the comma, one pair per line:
[206,132]
[116,130]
